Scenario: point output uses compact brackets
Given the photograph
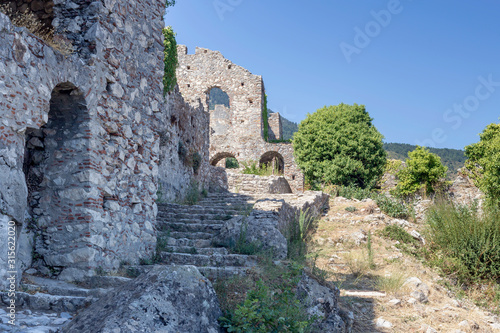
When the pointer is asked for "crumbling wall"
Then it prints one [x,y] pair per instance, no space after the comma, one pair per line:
[184,152]
[93,186]
[237,130]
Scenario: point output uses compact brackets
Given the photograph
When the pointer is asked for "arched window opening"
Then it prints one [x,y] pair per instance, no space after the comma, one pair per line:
[217,96]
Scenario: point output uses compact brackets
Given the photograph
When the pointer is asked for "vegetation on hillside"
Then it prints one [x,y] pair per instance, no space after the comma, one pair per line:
[340,145]
[484,162]
[288,127]
[422,173]
[453,159]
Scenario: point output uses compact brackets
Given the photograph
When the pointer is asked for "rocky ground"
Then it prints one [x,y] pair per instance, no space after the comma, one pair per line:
[398,293]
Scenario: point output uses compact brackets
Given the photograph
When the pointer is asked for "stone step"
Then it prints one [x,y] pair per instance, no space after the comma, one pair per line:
[201,210]
[47,302]
[198,250]
[201,217]
[214,273]
[191,235]
[165,221]
[192,227]
[201,260]
[189,243]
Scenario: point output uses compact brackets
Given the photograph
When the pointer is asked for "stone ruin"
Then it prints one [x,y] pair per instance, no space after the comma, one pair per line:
[82,135]
[236,126]
[89,144]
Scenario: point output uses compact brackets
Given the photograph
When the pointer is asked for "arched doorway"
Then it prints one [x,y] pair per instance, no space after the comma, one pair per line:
[225,160]
[57,168]
[274,161]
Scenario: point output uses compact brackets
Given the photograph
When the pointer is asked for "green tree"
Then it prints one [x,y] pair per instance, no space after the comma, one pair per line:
[340,145]
[423,170]
[484,161]
[170,59]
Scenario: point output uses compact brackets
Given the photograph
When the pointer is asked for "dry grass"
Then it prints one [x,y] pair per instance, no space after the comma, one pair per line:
[392,283]
[31,22]
[358,262]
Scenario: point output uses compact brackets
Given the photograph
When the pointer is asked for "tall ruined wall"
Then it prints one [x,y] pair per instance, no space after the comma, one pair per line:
[235,130]
[79,136]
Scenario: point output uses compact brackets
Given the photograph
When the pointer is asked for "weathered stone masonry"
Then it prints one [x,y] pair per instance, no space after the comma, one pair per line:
[80,137]
[237,130]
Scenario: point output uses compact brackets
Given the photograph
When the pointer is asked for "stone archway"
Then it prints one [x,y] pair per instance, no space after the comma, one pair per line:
[222,158]
[274,160]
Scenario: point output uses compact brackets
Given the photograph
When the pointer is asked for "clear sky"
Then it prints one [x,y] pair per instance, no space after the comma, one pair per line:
[427,71]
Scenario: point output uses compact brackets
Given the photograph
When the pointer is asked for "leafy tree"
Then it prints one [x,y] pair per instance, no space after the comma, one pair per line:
[340,145]
[423,170]
[484,161]
[170,59]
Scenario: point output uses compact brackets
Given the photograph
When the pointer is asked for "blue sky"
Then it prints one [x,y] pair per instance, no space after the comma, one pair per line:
[427,71]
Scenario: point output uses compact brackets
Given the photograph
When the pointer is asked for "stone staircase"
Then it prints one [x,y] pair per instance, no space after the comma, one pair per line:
[189,231]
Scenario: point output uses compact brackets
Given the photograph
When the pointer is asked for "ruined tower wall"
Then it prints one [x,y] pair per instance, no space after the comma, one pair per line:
[236,131]
[93,199]
[275,128]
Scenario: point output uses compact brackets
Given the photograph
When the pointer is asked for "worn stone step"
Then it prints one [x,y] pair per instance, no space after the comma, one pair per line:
[192,227]
[47,302]
[186,242]
[191,235]
[214,273]
[198,250]
[201,260]
[200,217]
[201,210]
[165,221]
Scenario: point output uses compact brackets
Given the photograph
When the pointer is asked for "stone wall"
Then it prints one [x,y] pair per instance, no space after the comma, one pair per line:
[235,130]
[253,184]
[80,137]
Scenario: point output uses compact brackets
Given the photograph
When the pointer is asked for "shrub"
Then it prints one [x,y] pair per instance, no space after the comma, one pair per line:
[484,162]
[423,170]
[193,194]
[397,233]
[170,59]
[352,192]
[232,163]
[393,207]
[464,241]
[270,306]
[251,168]
[339,145]
[351,209]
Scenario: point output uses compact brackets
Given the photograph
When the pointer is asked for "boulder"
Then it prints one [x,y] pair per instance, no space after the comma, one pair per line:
[257,228]
[322,302]
[165,299]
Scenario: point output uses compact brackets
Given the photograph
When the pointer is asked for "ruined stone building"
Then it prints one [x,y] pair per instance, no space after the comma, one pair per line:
[82,133]
[236,125]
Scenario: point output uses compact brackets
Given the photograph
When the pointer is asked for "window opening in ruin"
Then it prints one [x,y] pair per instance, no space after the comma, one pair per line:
[229,67]
[217,96]
[274,161]
[188,67]
[242,84]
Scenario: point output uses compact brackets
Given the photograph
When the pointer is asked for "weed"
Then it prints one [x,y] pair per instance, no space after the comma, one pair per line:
[371,261]
[251,168]
[192,194]
[358,262]
[392,283]
[397,233]
[100,271]
[351,209]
